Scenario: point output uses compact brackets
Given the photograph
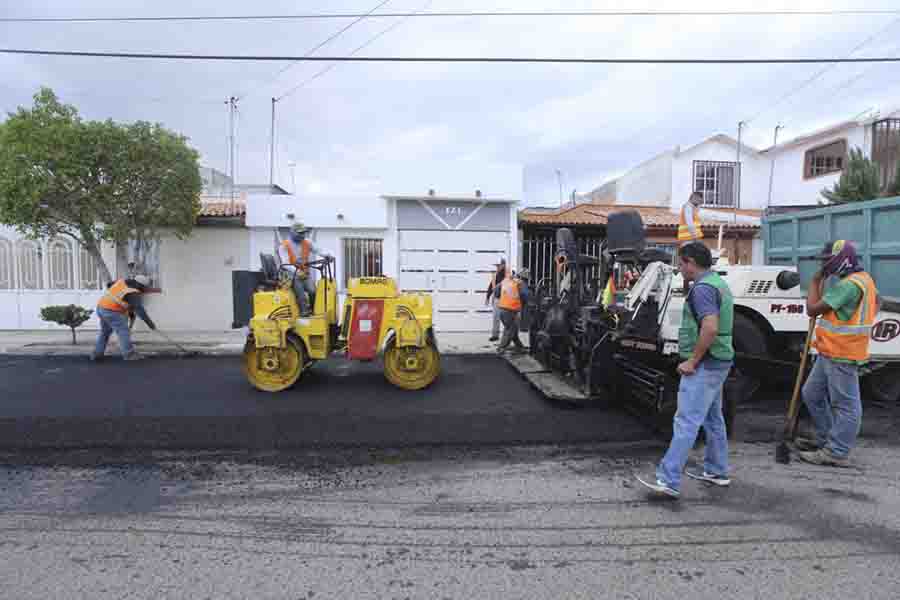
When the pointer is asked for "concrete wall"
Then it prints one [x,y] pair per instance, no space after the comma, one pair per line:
[754,175]
[789,187]
[196,279]
[649,184]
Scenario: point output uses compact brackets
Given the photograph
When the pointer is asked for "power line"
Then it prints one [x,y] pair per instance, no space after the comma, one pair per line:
[315,76]
[453,59]
[451,14]
[824,70]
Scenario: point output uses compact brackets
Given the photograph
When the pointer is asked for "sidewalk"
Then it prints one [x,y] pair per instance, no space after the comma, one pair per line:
[210,343]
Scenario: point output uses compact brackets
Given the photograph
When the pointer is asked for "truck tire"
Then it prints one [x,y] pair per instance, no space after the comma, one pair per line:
[748,337]
[883,385]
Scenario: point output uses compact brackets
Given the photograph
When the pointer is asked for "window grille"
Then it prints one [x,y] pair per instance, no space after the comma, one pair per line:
[716,181]
[61,262]
[89,271]
[362,258]
[826,159]
[886,149]
[7,268]
[31,274]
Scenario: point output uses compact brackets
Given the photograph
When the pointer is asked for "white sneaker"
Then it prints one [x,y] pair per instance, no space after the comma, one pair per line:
[661,487]
[720,480]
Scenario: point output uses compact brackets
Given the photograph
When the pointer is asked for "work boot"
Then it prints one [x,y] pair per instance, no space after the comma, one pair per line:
[493,338]
[806,444]
[824,457]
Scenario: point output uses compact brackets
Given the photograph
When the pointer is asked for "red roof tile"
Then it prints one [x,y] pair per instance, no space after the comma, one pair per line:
[223,207]
[597,214]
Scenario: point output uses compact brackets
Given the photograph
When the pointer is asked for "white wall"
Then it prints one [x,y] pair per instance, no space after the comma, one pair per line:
[196,279]
[648,184]
[318,211]
[789,187]
[754,186]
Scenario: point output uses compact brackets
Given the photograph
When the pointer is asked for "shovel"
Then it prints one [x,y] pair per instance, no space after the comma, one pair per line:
[783,451]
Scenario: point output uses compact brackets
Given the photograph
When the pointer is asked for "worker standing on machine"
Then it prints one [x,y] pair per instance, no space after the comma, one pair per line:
[831,392]
[705,346]
[299,251]
[493,295]
[689,224]
[513,295]
[121,298]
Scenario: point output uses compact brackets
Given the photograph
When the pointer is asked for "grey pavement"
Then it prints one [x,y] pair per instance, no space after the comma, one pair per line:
[58,342]
[546,522]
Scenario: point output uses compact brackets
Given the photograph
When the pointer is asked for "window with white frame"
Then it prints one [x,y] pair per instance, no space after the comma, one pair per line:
[825,159]
[89,277]
[7,265]
[143,259]
[61,263]
[362,258]
[30,259]
[716,181]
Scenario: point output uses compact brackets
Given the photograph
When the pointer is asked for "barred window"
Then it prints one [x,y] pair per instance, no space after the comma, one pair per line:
[825,159]
[7,270]
[362,258]
[716,181]
[61,261]
[30,259]
[89,271]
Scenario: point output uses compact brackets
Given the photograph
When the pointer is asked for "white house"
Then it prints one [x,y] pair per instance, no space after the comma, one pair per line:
[799,169]
[444,245]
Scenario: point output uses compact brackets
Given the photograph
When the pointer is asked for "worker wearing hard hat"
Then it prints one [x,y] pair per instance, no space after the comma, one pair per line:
[689,224]
[122,297]
[831,393]
[298,251]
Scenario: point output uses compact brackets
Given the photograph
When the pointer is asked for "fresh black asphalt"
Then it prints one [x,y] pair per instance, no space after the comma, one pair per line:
[206,402]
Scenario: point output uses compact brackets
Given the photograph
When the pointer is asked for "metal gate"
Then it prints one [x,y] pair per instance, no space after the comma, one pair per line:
[537,254]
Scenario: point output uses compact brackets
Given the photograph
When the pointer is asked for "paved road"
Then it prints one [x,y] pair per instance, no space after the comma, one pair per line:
[531,523]
[207,403]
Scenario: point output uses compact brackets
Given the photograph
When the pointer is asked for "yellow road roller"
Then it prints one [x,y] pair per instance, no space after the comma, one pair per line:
[378,321]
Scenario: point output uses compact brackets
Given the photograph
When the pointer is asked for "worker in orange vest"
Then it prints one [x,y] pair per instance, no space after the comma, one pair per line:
[298,251]
[122,297]
[689,224]
[513,296]
[847,311]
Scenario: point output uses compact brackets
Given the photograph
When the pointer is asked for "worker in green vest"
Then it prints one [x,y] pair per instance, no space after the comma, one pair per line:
[707,354]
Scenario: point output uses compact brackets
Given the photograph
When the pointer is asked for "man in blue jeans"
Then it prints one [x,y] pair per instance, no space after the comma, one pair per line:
[121,297]
[705,346]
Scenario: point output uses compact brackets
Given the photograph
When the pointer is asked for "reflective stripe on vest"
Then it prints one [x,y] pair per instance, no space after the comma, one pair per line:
[684,234]
[305,251]
[114,298]
[509,295]
[849,340]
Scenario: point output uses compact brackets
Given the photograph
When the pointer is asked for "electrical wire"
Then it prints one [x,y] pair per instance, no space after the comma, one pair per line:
[451,14]
[321,72]
[452,59]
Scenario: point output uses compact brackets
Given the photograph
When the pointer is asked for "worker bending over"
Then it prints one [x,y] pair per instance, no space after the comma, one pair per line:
[298,252]
[121,298]
[831,392]
[513,296]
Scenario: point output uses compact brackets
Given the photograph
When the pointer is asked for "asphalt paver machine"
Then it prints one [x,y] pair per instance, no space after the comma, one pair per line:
[378,321]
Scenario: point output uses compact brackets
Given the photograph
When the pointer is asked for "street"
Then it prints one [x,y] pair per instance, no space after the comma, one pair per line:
[474,488]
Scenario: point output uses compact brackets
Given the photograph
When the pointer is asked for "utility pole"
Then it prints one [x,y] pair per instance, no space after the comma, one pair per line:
[737,196]
[772,166]
[232,106]
[559,179]
[272,147]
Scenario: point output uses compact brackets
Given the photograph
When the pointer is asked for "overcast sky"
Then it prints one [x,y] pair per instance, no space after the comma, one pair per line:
[396,128]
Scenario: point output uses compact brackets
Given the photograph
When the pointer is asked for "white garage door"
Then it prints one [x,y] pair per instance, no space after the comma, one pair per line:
[454,266]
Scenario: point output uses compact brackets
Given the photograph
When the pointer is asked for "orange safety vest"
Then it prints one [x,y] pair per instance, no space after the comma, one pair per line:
[114,298]
[509,295]
[684,234]
[305,251]
[849,340]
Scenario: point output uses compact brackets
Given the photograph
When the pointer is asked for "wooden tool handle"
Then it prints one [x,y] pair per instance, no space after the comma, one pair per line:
[790,427]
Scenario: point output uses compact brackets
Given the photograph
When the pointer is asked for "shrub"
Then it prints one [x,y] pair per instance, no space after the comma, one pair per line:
[71,316]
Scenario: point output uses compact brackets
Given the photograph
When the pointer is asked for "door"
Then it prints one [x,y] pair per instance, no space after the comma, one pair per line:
[454,267]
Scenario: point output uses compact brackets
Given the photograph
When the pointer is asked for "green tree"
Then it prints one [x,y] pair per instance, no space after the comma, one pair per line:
[70,316]
[94,181]
[859,181]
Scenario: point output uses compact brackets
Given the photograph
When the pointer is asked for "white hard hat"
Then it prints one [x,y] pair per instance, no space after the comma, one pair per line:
[142,279]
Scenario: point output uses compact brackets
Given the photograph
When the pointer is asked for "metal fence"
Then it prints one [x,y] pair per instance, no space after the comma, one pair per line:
[537,253]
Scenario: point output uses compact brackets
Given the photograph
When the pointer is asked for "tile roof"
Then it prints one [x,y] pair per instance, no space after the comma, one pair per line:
[222,207]
[597,214]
